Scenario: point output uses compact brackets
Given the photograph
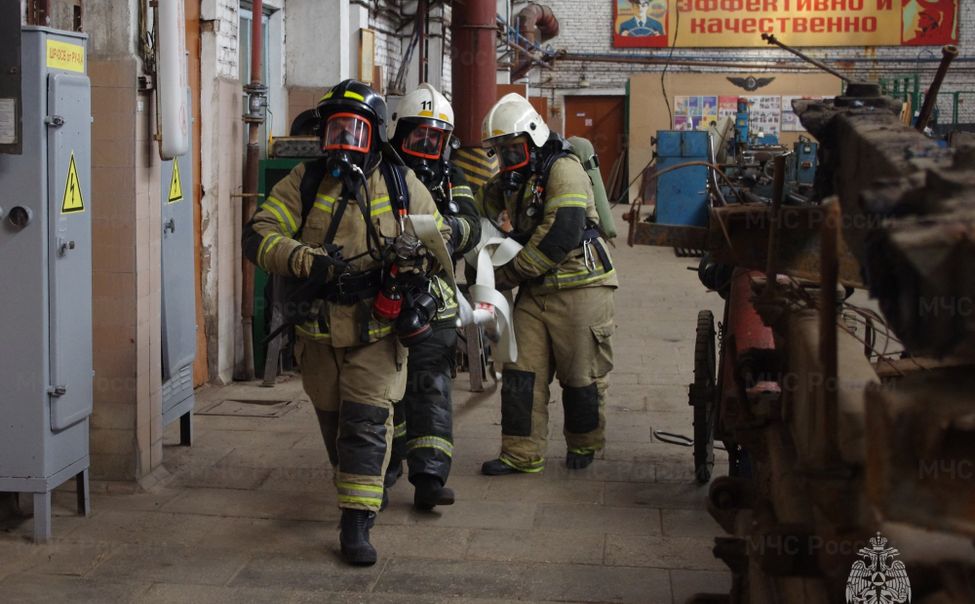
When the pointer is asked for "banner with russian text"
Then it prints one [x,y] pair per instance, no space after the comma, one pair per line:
[741,23]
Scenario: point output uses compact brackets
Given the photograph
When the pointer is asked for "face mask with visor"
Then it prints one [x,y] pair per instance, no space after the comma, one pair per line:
[425,142]
[513,159]
[422,150]
[347,139]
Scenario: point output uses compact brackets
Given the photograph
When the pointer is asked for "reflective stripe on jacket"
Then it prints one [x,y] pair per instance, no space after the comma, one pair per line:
[271,239]
[553,257]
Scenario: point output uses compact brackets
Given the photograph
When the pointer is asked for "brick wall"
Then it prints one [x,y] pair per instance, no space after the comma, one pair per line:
[390,47]
[586,27]
[226,24]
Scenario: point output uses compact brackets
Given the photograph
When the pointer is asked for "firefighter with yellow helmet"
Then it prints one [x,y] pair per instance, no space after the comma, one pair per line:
[357,291]
[563,314]
[420,131]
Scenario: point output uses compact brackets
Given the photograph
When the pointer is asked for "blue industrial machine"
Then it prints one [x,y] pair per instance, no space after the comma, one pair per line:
[802,164]
[682,194]
[741,122]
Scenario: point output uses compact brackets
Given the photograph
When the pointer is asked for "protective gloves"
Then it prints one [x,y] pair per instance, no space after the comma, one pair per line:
[412,259]
[505,278]
[317,264]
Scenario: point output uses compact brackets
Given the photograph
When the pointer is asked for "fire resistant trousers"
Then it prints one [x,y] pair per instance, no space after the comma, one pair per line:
[566,334]
[353,390]
[423,420]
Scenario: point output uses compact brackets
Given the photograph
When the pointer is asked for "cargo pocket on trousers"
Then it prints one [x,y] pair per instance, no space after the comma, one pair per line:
[602,362]
[397,384]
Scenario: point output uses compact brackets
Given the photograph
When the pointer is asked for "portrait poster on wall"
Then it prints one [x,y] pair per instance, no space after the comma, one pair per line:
[640,23]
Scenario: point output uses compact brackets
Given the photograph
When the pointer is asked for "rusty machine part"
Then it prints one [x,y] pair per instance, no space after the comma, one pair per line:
[837,445]
[948,54]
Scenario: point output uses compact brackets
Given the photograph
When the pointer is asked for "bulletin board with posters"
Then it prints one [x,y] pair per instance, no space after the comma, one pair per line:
[741,23]
[768,114]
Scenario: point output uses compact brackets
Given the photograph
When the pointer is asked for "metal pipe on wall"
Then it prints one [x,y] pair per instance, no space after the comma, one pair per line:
[254,118]
[536,23]
[422,14]
[473,67]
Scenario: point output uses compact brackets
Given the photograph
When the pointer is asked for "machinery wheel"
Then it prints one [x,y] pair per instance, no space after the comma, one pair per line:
[702,396]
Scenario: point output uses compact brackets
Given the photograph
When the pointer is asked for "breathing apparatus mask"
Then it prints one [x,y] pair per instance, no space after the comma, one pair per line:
[515,161]
[422,149]
[347,140]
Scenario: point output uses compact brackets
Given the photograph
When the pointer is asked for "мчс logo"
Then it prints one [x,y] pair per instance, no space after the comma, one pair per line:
[877,578]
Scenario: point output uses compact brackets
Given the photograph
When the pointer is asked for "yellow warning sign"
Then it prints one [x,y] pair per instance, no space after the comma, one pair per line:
[175,186]
[63,55]
[73,200]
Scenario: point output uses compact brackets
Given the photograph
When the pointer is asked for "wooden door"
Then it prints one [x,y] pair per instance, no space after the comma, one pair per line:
[601,119]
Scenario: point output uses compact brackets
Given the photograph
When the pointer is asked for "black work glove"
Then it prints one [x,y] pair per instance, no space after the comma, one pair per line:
[505,278]
[412,259]
[318,264]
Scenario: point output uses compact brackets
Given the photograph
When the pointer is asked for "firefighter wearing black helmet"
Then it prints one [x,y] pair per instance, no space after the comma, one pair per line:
[335,226]
[420,131]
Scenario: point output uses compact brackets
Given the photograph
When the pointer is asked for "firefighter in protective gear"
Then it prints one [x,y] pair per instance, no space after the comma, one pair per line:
[420,132]
[563,314]
[330,225]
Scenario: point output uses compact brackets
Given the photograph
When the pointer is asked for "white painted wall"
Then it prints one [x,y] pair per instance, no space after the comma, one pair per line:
[318,42]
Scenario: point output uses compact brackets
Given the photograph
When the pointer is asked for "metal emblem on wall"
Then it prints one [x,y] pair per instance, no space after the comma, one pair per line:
[877,578]
[750,83]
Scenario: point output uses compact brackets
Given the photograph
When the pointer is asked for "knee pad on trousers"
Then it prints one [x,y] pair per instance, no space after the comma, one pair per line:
[328,423]
[581,408]
[362,438]
[516,402]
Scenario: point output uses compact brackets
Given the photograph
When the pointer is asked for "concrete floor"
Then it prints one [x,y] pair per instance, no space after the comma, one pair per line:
[248,513]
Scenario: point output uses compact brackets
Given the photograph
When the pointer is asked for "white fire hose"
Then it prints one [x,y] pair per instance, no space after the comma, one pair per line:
[490,308]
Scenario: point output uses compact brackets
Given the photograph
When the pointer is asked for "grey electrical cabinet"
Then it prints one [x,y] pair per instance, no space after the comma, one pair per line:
[45,267]
[178,294]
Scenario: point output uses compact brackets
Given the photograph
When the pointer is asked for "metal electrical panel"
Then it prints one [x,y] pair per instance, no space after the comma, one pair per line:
[178,293]
[45,265]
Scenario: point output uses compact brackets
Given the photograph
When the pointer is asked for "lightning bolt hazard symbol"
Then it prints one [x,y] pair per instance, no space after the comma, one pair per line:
[73,200]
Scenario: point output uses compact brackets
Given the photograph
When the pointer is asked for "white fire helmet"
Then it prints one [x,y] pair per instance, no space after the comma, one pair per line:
[511,116]
[423,105]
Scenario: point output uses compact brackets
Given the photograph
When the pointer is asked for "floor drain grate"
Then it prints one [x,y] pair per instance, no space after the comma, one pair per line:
[250,408]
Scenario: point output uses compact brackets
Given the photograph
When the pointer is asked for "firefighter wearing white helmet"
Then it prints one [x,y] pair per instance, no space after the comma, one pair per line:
[563,316]
[420,131]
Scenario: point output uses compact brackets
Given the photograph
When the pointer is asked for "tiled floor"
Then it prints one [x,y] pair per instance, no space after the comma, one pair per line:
[248,514]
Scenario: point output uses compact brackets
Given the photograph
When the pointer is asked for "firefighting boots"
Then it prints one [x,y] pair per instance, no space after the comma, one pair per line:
[577,460]
[496,467]
[354,537]
[430,492]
